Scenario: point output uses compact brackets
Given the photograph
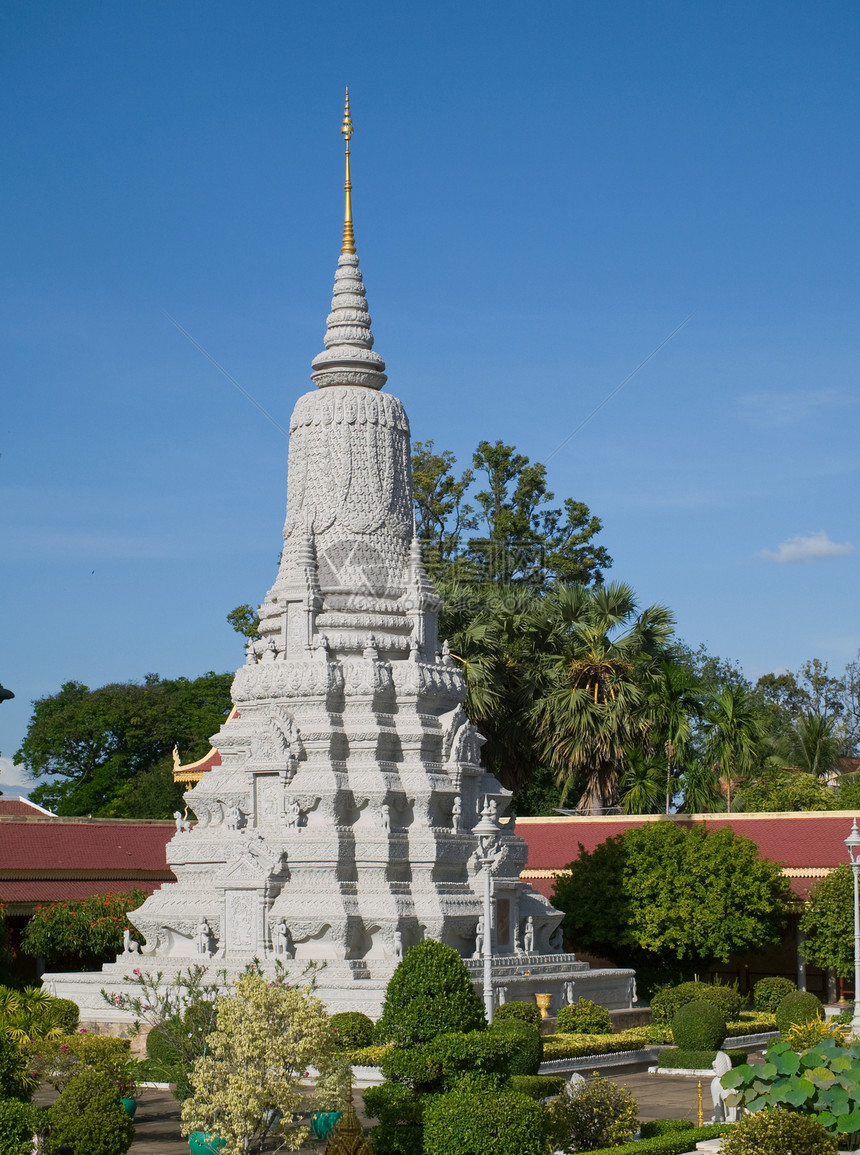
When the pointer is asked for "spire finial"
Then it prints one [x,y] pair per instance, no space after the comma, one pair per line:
[348,245]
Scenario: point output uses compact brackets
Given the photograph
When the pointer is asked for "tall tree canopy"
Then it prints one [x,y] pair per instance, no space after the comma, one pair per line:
[109,751]
[672,899]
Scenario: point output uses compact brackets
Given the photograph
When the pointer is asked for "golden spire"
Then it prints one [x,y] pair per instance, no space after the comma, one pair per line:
[348,245]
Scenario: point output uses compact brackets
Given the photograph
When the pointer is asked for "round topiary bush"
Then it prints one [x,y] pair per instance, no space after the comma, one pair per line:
[798,1007]
[778,1132]
[584,1018]
[429,994]
[769,992]
[352,1030]
[484,1123]
[699,1026]
[88,1116]
[525,1012]
[524,1045]
[666,1003]
[63,1014]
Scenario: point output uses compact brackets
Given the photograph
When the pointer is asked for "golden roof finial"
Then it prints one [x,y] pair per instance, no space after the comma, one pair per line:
[348,245]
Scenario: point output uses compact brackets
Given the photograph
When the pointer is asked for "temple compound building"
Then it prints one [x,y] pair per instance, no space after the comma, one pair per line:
[335,824]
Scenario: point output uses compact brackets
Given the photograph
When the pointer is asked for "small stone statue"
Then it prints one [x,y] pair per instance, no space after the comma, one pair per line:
[479,938]
[385,811]
[129,945]
[493,809]
[371,649]
[631,990]
[250,653]
[722,1064]
[501,996]
[294,814]
[518,945]
[321,647]
[529,936]
[456,814]
[281,939]
[233,816]
[414,650]
[398,945]
[204,937]
[568,992]
[446,654]
[183,825]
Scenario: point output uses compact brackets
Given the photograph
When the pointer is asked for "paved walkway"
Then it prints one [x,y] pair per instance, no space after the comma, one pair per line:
[658,1097]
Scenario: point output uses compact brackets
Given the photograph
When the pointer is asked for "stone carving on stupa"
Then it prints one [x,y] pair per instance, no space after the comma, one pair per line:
[337,827]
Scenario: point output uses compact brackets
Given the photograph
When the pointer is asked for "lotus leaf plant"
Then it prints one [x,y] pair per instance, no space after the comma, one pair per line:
[823,1081]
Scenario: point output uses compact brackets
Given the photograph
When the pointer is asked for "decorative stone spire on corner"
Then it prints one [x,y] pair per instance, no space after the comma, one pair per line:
[420,601]
[348,358]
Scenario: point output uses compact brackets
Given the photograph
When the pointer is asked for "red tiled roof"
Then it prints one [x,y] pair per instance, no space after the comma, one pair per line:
[22,808]
[807,844]
[34,891]
[83,848]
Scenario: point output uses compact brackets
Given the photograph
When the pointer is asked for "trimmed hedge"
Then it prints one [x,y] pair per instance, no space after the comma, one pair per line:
[372,1056]
[525,1012]
[677,1059]
[538,1086]
[469,1123]
[667,1001]
[798,1007]
[522,1044]
[677,1144]
[88,1116]
[699,1026]
[769,992]
[665,1127]
[584,1018]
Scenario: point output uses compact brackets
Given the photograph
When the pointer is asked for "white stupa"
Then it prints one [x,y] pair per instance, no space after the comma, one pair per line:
[338,826]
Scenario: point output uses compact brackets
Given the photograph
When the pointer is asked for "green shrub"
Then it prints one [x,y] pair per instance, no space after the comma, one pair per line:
[14,1080]
[57,1061]
[538,1086]
[665,1127]
[525,1012]
[64,1014]
[352,1029]
[677,1059]
[769,992]
[677,1143]
[798,1007]
[584,1018]
[778,1131]
[483,1057]
[666,1003]
[699,1026]
[476,1123]
[89,1117]
[523,1043]
[595,1114]
[429,994]
[19,1122]
[371,1056]
[751,1023]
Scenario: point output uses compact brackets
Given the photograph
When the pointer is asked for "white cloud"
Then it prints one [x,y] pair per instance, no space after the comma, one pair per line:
[809,548]
[14,779]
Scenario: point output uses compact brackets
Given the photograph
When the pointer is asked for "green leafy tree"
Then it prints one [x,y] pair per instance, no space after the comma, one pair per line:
[673,900]
[814,744]
[109,751]
[441,513]
[81,934]
[245,621]
[827,923]
[700,787]
[785,790]
[247,1086]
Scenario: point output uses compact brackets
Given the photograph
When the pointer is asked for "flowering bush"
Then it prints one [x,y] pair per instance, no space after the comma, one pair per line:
[85,933]
[58,1061]
[594,1114]
[246,1086]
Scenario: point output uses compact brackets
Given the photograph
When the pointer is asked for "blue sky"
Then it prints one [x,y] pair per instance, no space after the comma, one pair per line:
[543,192]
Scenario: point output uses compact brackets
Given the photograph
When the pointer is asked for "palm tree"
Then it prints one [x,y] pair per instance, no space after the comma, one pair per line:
[734,736]
[594,674]
[814,744]
[700,786]
[674,704]
[641,783]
